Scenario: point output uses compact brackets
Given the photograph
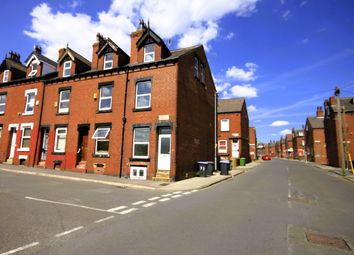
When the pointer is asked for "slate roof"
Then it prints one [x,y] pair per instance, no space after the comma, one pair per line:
[41,58]
[315,122]
[230,105]
[9,63]
[75,55]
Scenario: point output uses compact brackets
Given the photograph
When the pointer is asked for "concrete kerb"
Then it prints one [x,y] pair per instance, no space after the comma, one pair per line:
[183,185]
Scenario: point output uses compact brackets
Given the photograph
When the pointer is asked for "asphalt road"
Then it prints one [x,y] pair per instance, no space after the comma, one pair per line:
[267,210]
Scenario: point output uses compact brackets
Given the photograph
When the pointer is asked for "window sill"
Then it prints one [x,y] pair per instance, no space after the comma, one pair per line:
[104,111]
[27,113]
[139,159]
[100,155]
[147,109]
[62,113]
[23,149]
[58,153]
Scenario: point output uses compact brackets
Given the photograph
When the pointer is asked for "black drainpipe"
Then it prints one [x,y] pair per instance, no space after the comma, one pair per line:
[124,121]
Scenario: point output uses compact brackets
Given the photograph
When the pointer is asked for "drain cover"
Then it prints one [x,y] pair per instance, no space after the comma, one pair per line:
[335,242]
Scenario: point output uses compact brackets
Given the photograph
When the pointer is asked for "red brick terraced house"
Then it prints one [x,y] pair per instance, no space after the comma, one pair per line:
[332,129]
[233,130]
[253,143]
[289,146]
[147,116]
[298,143]
[315,141]
[283,148]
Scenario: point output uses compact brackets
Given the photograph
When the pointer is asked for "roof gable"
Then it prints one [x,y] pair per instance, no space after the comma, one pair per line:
[230,105]
[148,37]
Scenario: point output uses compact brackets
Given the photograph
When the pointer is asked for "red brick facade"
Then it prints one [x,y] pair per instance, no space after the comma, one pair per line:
[130,120]
[253,143]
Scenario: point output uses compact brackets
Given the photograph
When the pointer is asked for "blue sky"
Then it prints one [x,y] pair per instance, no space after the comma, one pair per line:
[284,56]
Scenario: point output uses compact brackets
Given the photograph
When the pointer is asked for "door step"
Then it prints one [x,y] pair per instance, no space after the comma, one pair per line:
[41,164]
[162,176]
[9,161]
[81,165]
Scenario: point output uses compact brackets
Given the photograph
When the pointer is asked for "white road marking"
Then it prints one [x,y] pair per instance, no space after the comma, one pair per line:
[104,219]
[195,190]
[129,211]
[186,193]
[139,202]
[164,199]
[177,192]
[20,248]
[175,196]
[69,231]
[149,204]
[167,195]
[154,198]
[117,208]
[68,204]
[289,188]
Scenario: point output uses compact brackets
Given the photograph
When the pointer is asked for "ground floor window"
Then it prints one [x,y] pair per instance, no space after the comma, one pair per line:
[141,142]
[60,139]
[101,136]
[222,146]
[138,172]
[26,136]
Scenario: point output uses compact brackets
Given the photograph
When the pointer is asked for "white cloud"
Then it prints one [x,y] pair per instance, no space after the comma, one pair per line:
[305,41]
[222,86]
[286,15]
[279,123]
[252,108]
[285,132]
[230,36]
[244,91]
[190,22]
[303,3]
[241,74]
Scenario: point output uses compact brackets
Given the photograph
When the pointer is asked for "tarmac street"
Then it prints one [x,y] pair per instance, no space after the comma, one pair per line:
[278,207]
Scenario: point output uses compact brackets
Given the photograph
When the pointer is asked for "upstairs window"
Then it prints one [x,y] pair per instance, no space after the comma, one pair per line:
[64,100]
[108,61]
[143,95]
[34,69]
[149,53]
[141,142]
[202,75]
[2,103]
[225,125]
[66,68]
[105,103]
[196,64]
[5,77]
[30,98]
[60,139]
[101,136]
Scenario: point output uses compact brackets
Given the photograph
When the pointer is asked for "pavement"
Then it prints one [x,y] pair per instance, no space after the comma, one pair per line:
[183,185]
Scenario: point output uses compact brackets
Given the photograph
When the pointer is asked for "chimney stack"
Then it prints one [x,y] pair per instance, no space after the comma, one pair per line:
[319,112]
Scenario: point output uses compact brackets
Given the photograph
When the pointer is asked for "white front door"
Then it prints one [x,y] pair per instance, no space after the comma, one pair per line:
[235,149]
[164,152]
[13,142]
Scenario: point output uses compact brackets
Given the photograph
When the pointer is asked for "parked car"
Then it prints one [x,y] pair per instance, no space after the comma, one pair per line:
[266,157]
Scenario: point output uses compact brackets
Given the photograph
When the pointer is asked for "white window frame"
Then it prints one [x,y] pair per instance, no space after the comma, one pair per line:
[138,169]
[202,73]
[5,77]
[225,126]
[4,103]
[195,67]
[23,137]
[57,136]
[24,126]
[106,62]
[149,53]
[142,95]
[102,138]
[142,143]
[105,97]
[34,71]
[222,150]
[64,110]
[27,93]
[67,68]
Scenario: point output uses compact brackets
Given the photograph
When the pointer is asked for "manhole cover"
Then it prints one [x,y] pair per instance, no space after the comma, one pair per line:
[335,242]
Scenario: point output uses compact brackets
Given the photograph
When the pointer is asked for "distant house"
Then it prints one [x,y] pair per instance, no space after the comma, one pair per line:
[283,153]
[298,143]
[233,129]
[253,143]
[315,142]
[332,129]
[289,146]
